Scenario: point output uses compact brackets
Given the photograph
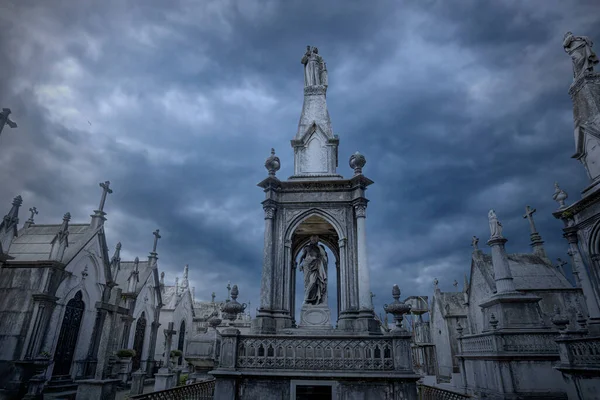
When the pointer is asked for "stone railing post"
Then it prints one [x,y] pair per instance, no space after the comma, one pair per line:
[402,352]
[137,382]
[229,345]
[564,350]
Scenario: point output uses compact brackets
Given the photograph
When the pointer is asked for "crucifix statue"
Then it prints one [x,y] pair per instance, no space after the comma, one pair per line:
[156,237]
[33,211]
[169,332]
[105,190]
[529,216]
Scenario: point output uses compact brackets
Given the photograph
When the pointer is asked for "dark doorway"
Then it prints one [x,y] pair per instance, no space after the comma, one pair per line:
[138,341]
[181,340]
[317,392]
[67,340]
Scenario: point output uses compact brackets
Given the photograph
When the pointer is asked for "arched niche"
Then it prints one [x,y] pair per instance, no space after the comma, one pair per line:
[315,225]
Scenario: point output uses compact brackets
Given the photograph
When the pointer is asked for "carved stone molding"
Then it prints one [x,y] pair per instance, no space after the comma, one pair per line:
[361,210]
[590,77]
[269,212]
[315,90]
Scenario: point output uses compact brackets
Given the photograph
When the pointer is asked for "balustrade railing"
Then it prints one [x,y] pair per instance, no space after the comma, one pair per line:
[315,353]
[436,393]
[499,342]
[197,391]
[581,351]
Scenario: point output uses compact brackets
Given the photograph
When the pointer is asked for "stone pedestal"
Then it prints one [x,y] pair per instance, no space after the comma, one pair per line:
[163,380]
[94,389]
[137,382]
[176,377]
[124,367]
[315,317]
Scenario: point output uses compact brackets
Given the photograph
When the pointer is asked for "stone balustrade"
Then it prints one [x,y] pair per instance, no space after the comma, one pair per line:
[579,352]
[308,353]
[534,342]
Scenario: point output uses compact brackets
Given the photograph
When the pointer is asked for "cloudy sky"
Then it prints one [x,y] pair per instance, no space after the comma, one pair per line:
[458,106]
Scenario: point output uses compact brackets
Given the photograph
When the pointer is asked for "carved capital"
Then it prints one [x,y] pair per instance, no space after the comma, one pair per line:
[571,235]
[342,242]
[269,211]
[361,210]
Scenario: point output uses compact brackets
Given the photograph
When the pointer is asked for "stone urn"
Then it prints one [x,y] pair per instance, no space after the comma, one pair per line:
[231,309]
[398,309]
[175,354]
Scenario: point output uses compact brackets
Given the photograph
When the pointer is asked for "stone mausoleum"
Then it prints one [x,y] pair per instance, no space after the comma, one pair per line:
[313,213]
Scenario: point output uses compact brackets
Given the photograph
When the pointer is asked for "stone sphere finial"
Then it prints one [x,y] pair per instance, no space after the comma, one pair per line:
[559,196]
[357,162]
[272,164]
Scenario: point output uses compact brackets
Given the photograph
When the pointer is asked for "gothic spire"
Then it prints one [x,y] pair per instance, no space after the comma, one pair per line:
[8,226]
[115,261]
[61,240]
[315,145]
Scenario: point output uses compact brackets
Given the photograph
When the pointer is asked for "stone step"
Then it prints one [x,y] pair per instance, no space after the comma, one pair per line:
[66,395]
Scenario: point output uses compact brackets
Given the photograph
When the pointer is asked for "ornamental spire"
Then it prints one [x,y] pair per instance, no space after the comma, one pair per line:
[8,226]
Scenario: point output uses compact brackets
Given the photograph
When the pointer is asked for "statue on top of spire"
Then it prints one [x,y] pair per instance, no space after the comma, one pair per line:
[582,55]
[315,69]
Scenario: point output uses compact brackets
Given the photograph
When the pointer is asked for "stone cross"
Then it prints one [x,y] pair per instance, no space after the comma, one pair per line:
[33,211]
[561,263]
[105,190]
[474,243]
[156,237]
[213,296]
[529,215]
[169,332]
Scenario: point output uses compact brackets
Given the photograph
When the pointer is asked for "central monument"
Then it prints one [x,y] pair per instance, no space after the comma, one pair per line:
[315,226]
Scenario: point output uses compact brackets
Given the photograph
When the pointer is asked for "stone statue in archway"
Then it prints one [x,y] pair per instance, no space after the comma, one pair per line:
[313,263]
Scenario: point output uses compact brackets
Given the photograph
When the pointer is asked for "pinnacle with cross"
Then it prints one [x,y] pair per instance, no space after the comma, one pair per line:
[105,190]
[156,237]
[34,212]
[529,216]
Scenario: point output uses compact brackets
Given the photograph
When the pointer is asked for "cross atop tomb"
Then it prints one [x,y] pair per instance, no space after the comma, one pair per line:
[529,216]
[474,243]
[5,120]
[156,237]
[105,190]
[34,212]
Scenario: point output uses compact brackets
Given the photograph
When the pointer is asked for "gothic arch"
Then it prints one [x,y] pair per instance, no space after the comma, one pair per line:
[594,240]
[294,223]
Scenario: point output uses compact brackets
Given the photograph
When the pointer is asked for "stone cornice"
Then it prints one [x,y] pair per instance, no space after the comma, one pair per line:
[269,183]
[35,264]
[333,185]
[44,298]
[577,207]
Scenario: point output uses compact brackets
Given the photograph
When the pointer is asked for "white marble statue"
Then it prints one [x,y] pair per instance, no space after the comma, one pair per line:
[315,72]
[582,55]
[495,225]
[313,262]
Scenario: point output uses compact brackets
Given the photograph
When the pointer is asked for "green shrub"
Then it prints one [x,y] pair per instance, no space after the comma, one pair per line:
[182,379]
[176,353]
[124,353]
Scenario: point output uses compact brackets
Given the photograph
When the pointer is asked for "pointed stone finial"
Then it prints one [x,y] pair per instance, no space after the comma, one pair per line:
[435,283]
[272,164]
[357,162]
[474,243]
[559,196]
[162,278]
[495,226]
[466,284]
[136,263]
[64,228]
[12,218]
[455,284]
[493,321]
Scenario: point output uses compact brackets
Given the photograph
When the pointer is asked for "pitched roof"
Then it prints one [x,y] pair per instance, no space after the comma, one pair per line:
[35,242]
[125,270]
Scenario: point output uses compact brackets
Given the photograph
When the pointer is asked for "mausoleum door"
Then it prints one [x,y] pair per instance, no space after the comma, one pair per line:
[67,339]
[138,341]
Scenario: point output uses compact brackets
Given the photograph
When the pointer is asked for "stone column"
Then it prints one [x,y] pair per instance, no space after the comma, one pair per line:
[584,278]
[502,274]
[266,284]
[364,285]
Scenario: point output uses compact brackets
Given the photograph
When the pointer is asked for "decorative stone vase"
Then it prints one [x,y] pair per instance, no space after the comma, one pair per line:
[397,309]
[232,308]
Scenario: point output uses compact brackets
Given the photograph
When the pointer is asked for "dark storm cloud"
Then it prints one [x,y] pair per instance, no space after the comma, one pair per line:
[458,108]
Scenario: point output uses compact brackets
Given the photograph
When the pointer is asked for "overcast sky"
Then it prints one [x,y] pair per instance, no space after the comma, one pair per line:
[458,106]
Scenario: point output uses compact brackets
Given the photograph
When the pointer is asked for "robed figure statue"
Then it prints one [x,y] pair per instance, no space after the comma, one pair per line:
[582,55]
[313,262]
[315,70]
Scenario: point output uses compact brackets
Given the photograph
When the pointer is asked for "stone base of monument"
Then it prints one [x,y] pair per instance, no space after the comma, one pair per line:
[315,317]
[164,380]
[91,389]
